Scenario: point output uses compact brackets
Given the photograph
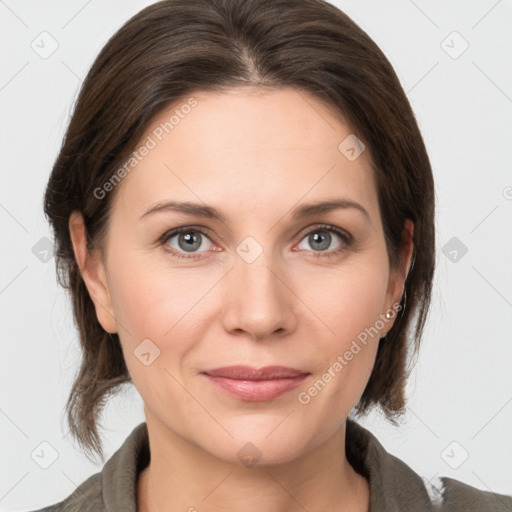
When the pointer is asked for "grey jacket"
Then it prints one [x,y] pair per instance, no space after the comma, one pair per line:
[394,486]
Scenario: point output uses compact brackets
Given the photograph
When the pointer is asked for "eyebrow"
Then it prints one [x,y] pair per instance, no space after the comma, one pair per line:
[301,212]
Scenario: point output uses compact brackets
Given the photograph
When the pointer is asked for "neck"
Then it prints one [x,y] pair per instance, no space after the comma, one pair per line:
[182,476]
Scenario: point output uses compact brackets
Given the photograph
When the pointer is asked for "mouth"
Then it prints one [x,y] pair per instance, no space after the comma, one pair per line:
[255,384]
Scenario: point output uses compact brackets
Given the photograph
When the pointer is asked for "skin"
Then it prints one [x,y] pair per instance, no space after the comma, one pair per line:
[255,156]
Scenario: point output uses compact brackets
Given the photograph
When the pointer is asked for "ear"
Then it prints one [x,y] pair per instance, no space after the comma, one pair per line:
[93,272]
[396,285]
[407,249]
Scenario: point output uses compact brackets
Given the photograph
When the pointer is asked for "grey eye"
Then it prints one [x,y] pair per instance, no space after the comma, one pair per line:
[188,241]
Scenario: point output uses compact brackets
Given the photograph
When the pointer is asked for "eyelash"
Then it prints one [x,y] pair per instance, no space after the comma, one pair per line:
[346,238]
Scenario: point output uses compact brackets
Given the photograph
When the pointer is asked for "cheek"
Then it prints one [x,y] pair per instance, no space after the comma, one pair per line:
[148,304]
[138,299]
[155,300]
[349,306]
[350,301]
[147,295]
[143,305]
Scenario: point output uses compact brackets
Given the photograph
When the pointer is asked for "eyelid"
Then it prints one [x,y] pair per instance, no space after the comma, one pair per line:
[328,227]
[347,238]
[184,229]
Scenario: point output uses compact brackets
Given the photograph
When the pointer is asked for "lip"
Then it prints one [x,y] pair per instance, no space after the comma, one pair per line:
[256,384]
[249,373]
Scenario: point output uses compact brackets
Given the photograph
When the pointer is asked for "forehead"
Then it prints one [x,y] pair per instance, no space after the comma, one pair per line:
[247,149]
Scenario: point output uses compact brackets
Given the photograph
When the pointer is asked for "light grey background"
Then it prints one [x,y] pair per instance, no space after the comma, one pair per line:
[461,388]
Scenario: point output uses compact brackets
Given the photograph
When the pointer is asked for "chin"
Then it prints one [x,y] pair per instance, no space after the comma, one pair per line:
[260,444]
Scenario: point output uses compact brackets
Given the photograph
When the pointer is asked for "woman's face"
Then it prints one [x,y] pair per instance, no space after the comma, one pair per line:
[257,284]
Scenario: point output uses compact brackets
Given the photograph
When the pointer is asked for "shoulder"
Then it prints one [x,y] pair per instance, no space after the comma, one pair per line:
[114,488]
[87,497]
[460,496]
[395,486]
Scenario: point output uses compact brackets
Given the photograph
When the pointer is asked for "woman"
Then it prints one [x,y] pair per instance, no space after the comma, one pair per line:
[244,213]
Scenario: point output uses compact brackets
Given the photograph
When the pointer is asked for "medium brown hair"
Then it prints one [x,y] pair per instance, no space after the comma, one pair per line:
[175,47]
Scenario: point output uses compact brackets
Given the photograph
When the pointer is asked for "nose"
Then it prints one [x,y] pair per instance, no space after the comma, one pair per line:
[258,299]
